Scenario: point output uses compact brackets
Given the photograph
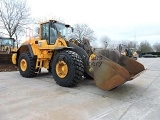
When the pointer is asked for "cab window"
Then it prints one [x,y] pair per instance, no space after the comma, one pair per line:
[45,31]
[53,34]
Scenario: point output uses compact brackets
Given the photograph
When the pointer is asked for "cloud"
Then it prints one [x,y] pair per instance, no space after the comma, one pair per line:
[137,32]
[119,19]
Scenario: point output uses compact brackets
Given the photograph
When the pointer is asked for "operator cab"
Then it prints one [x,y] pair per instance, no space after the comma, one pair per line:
[51,30]
[7,42]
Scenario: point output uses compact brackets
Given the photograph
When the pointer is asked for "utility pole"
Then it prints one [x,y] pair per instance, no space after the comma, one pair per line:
[106,44]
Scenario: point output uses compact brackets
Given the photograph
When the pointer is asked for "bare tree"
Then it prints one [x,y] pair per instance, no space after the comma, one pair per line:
[46,18]
[124,42]
[156,47]
[145,47]
[14,14]
[129,44]
[132,44]
[82,31]
[105,40]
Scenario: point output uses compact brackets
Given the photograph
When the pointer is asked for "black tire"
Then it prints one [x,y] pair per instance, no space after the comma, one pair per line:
[31,63]
[87,76]
[49,70]
[75,68]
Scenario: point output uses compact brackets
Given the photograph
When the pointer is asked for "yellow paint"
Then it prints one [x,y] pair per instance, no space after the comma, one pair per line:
[14,56]
[42,49]
[123,53]
[61,69]
[23,65]
[135,54]
[90,69]
[44,52]
[92,57]
[8,48]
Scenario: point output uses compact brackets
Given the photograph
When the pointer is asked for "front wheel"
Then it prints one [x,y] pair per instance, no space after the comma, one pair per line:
[67,68]
[26,65]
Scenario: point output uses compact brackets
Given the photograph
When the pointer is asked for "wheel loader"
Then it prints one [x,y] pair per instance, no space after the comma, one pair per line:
[7,45]
[130,52]
[68,61]
[7,48]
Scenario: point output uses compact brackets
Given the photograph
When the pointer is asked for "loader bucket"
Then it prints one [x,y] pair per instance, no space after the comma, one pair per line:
[5,58]
[109,74]
[132,66]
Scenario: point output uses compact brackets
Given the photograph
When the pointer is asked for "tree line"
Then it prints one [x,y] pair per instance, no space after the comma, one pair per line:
[15,15]
[143,46]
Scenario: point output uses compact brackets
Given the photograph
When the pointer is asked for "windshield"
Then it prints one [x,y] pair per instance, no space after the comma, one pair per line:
[62,29]
[6,41]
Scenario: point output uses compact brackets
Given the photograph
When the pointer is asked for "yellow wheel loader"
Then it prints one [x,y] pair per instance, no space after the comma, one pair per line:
[69,61]
[7,48]
[7,45]
[130,52]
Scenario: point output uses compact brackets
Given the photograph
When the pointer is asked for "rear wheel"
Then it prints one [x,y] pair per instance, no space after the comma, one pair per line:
[26,65]
[67,68]
[49,69]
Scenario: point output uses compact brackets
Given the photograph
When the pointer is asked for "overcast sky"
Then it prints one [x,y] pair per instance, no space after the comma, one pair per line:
[118,19]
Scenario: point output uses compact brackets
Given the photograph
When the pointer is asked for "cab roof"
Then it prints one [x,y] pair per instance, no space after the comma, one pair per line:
[55,21]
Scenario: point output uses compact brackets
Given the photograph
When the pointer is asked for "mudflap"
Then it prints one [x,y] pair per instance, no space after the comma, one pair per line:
[108,74]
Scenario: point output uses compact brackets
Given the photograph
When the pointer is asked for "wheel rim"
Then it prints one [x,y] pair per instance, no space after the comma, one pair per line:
[61,69]
[23,65]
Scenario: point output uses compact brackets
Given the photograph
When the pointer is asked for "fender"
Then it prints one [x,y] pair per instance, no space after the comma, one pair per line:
[24,48]
[63,48]
[85,58]
[78,50]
